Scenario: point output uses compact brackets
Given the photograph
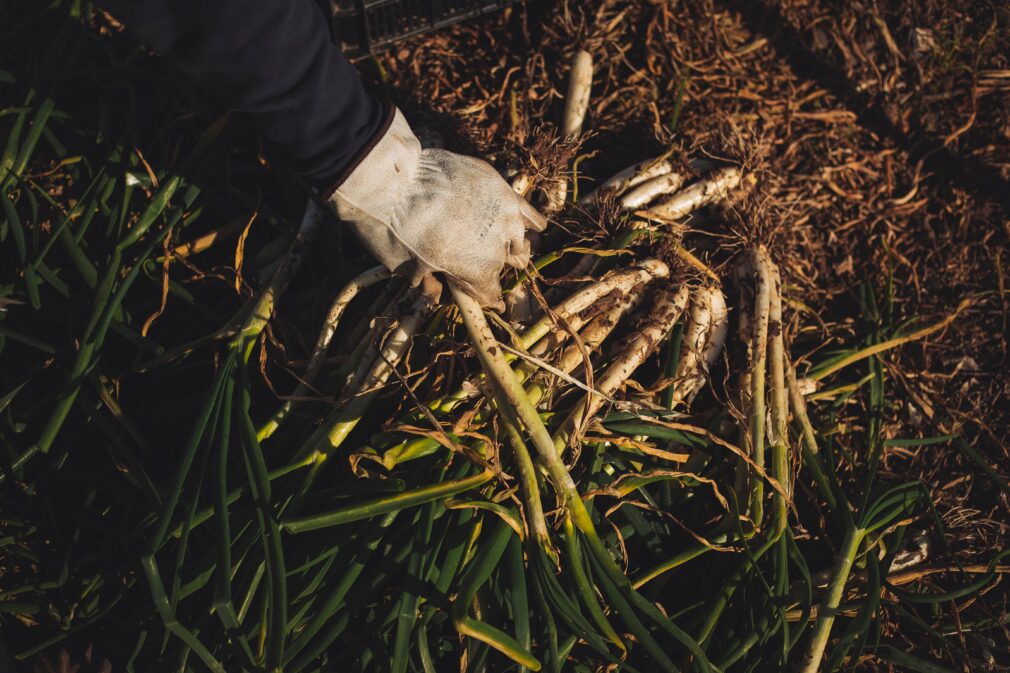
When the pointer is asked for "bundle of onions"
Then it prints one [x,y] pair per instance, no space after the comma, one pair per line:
[470,523]
[537,388]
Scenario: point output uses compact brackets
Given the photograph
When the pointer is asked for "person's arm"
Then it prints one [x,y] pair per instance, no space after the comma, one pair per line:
[274,61]
[417,210]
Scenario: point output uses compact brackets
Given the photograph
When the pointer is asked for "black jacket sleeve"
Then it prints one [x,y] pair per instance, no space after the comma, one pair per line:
[271,59]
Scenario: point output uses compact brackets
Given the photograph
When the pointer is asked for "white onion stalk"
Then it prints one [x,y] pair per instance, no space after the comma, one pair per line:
[669,307]
[778,391]
[629,177]
[689,375]
[620,281]
[598,329]
[704,338]
[743,273]
[661,185]
[720,327]
[761,265]
[337,308]
[532,359]
[394,346]
[371,376]
[340,303]
[715,187]
[594,334]
[651,189]
[366,378]
[580,82]
[779,435]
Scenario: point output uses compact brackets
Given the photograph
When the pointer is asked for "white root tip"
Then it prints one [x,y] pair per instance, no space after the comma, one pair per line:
[807,386]
[655,268]
[521,184]
[555,195]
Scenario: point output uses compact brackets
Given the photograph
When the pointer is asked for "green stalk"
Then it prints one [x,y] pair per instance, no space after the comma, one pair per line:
[512,394]
[224,608]
[172,498]
[330,603]
[209,511]
[616,584]
[519,597]
[393,503]
[259,486]
[478,572]
[835,364]
[679,559]
[189,638]
[832,599]
[407,606]
[534,509]
[730,586]
[585,587]
[90,343]
[811,453]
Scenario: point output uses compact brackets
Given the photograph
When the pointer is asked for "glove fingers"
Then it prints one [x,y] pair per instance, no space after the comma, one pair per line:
[532,217]
[421,276]
[487,294]
[518,253]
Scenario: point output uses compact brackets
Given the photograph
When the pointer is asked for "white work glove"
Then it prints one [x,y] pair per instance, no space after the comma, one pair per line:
[421,211]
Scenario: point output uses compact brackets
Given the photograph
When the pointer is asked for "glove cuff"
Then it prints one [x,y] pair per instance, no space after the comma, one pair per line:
[388,114]
[372,197]
[382,173]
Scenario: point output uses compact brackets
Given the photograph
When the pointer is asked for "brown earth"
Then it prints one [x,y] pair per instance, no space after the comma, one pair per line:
[881,135]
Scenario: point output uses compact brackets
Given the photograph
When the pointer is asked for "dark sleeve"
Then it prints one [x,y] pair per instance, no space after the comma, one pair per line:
[273,60]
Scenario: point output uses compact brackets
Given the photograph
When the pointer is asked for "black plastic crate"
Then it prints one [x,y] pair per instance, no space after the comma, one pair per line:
[369,26]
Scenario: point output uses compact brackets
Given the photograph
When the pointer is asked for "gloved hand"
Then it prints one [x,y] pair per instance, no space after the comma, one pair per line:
[421,211]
